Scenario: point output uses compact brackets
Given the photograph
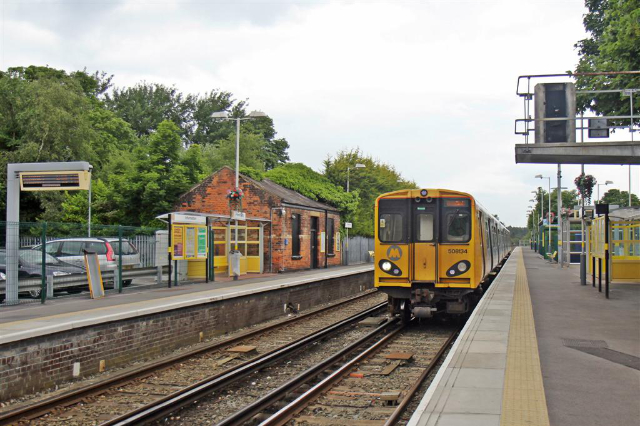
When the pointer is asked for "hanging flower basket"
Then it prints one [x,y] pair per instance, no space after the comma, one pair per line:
[235,195]
[584,184]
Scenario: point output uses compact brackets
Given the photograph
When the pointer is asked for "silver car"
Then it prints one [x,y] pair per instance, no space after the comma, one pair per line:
[71,250]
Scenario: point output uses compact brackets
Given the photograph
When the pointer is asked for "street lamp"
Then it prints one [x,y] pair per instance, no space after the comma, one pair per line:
[609,182]
[357,166]
[549,211]
[224,115]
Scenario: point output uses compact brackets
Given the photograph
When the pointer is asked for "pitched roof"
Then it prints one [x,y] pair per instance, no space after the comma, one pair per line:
[287,195]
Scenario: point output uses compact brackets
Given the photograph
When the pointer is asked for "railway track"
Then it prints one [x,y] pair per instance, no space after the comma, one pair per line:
[369,381]
[105,401]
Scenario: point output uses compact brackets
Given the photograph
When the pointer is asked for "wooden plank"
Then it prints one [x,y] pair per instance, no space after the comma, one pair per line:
[243,349]
[336,421]
[400,355]
[389,368]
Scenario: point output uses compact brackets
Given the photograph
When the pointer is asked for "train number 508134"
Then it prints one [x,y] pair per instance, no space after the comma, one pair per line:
[457,251]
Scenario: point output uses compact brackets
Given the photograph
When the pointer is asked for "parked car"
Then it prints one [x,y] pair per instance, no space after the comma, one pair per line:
[71,250]
[30,266]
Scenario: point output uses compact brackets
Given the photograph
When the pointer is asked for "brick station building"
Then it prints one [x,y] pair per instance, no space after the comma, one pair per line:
[299,233]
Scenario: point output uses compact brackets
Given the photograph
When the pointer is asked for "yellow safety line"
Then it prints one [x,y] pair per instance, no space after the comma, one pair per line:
[523,400]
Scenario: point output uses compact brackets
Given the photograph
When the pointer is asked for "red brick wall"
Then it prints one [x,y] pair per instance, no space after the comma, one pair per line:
[210,196]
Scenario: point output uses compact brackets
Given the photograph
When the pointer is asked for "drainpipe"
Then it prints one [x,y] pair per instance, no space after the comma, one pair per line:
[270,240]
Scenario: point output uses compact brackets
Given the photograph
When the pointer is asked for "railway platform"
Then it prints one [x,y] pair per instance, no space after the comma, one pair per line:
[68,338]
[540,349]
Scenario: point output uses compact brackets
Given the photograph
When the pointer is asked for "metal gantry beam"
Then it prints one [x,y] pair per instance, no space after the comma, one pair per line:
[13,214]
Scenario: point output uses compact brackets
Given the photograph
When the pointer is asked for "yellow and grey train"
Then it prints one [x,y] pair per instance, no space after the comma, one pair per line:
[434,250]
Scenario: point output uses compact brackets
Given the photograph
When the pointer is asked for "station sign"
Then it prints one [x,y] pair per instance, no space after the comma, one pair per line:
[236,215]
[348,225]
[55,181]
[188,218]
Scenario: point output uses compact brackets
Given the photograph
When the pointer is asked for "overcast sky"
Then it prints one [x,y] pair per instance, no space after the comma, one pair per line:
[425,86]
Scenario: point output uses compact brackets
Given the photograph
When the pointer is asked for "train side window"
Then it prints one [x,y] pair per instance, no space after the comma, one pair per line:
[424,227]
[390,228]
[458,227]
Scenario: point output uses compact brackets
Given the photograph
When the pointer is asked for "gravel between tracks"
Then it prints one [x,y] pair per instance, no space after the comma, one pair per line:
[95,410]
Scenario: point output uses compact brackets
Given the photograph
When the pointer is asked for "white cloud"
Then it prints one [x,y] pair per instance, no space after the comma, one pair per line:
[428,87]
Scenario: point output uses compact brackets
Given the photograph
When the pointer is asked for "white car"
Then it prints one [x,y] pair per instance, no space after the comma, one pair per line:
[71,250]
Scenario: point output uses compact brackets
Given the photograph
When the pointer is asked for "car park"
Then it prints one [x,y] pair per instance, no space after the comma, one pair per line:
[72,250]
[30,267]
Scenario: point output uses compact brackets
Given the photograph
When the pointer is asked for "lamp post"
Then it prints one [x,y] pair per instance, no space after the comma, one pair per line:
[346,246]
[609,182]
[549,211]
[224,115]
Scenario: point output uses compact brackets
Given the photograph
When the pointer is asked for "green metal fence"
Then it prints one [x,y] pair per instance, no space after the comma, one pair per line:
[50,258]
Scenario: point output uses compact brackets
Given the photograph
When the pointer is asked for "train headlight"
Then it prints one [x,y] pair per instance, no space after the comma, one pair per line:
[423,192]
[386,266]
[462,266]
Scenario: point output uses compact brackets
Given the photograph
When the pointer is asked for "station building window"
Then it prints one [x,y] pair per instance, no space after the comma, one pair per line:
[295,235]
[330,235]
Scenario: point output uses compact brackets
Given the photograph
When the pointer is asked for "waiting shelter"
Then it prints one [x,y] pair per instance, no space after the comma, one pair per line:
[624,244]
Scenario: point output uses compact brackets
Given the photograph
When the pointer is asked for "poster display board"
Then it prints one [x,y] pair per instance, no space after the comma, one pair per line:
[202,242]
[177,242]
[188,237]
[190,242]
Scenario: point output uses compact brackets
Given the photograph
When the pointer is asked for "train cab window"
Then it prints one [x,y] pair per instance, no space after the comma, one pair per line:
[424,227]
[458,227]
[456,223]
[390,228]
[393,226]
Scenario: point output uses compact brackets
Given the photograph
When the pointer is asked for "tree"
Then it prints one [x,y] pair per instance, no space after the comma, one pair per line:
[613,45]
[160,175]
[374,179]
[251,147]
[146,105]
[44,116]
[621,198]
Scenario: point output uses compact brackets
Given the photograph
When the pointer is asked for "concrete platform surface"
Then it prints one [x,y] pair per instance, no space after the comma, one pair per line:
[34,319]
[541,349]
[589,346]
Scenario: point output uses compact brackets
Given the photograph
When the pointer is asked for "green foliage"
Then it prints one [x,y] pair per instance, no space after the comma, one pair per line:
[613,45]
[517,233]
[252,173]
[569,200]
[621,198]
[374,179]
[251,146]
[302,179]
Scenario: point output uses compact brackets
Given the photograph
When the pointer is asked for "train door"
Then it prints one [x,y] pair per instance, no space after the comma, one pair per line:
[425,261]
[491,242]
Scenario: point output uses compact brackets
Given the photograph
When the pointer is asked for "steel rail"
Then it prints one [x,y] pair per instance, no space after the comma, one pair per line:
[395,416]
[287,413]
[68,398]
[164,406]
[278,394]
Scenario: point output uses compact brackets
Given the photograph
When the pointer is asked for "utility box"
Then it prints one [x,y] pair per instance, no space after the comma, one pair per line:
[554,101]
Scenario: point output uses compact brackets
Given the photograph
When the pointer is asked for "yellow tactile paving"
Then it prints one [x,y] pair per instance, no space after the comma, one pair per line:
[523,400]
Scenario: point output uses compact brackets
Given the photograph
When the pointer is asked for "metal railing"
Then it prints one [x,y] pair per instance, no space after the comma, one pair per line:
[528,97]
